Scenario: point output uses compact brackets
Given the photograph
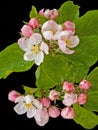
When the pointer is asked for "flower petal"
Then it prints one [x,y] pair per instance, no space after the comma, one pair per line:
[29,56]
[74,41]
[35,39]
[39,58]
[23,43]
[37,103]
[19,99]
[44,47]
[48,35]
[31,112]
[20,108]
[41,117]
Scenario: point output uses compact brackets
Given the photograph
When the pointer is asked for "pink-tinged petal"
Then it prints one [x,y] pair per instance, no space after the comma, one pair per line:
[67,113]
[55,37]
[23,44]
[31,112]
[35,39]
[69,26]
[63,48]
[39,58]
[65,35]
[41,117]
[26,31]
[69,99]
[44,47]
[20,108]
[68,51]
[20,99]
[48,35]
[28,56]
[41,12]
[74,41]
[53,111]
[50,28]
[37,103]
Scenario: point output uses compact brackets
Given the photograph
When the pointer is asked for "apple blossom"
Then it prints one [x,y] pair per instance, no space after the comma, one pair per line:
[67,40]
[27,104]
[34,48]
[51,30]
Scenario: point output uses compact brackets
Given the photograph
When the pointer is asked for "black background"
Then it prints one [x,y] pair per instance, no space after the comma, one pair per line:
[12,15]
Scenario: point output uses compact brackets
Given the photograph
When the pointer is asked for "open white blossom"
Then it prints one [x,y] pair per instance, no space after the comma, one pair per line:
[27,104]
[51,30]
[67,40]
[34,48]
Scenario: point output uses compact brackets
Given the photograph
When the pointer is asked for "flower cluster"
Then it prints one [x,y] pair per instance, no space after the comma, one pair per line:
[64,49]
[39,39]
[42,108]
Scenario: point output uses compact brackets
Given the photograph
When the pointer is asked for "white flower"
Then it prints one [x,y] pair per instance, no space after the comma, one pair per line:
[34,48]
[27,104]
[67,40]
[51,30]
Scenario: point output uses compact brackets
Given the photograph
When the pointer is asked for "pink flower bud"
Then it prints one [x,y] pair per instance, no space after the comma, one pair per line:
[13,95]
[84,84]
[53,95]
[46,102]
[41,12]
[26,31]
[68,87]
[82,98]
[53,112]
[33,23]
[69,26]
[67,113]
[52,14]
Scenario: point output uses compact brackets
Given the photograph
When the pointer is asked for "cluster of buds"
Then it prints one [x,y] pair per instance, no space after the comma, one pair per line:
[38,39]
[42,108]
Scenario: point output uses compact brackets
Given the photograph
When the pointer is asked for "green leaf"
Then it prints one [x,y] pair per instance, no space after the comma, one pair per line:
[85,118]
[33,12]
[68,11]
[29,90]
[92,101]
[11,60]
[93,78]
[54,70]
[87,25]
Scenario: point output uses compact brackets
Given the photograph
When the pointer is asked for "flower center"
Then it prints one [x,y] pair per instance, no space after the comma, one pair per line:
[35,48]
[67,41]
[53,31]
[28,105]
